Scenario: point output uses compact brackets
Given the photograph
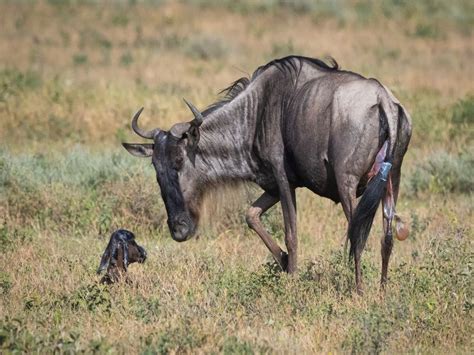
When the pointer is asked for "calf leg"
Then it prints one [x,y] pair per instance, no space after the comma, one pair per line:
[254,221]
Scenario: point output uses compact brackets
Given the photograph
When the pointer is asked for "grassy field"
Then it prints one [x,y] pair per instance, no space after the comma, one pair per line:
[71,75]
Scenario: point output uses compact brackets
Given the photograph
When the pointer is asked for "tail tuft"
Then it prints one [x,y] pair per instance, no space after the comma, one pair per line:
[363,217]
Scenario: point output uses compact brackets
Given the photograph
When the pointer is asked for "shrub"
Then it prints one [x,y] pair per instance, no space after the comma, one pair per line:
[5,283]
[370,333]
[126,59]
[180,338]
[79,167]
[16,338]
[444,173]
[14,82]
[80,58]
[76,191]
[426,30]
[91,298]
[233,345]
[463,111]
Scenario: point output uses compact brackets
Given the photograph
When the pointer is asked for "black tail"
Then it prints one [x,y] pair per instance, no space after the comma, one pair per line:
[363,217]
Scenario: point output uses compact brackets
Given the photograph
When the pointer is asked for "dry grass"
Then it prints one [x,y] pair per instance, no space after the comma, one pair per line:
[222,291]
[71,76]
[96,64]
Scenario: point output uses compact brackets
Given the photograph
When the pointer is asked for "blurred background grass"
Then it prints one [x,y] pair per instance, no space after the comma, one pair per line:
[74,71]
[71,75]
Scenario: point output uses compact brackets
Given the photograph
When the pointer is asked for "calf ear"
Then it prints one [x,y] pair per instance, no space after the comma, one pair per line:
[104,261]
[142,150]
[106,257]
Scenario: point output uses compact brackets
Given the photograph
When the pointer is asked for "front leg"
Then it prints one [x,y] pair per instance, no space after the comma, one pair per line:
[253,217]
[288,206]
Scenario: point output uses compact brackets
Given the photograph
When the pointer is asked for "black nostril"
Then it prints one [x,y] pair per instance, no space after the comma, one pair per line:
[182,221]
[181,227]
[180,224]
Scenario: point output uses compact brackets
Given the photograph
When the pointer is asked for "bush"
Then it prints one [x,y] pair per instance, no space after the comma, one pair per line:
[16,338]
[79,167]
[463,112]
[76,191]
[233,345]
[444,173]
[181,338]
[91,298]
[13,82]
[429,30]
[80,58]
[5,283]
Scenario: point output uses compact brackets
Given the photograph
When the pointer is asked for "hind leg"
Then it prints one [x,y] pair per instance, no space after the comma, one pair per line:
[347,193]
[386,250]
[388,202]
[387,240]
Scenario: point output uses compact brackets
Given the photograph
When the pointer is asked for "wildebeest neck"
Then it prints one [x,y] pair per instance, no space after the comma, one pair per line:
[225,148]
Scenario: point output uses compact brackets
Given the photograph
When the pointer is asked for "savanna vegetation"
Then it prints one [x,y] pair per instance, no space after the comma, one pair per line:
[73,72]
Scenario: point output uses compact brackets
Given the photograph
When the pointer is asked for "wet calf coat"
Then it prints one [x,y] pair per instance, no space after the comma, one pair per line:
[121,251]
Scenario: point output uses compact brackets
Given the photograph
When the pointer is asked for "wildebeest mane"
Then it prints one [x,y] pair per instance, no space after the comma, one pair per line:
[286,64]
[230,93]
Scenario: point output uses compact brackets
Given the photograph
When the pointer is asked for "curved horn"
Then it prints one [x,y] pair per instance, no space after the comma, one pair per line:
[198,118]
[142,133]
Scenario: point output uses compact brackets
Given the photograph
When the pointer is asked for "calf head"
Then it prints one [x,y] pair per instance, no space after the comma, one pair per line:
[121,251]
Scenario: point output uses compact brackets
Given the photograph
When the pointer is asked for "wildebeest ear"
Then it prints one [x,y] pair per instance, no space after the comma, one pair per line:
[142,150]
[193,136]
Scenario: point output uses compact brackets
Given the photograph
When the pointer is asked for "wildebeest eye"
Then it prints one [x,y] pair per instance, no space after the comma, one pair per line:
[178,162]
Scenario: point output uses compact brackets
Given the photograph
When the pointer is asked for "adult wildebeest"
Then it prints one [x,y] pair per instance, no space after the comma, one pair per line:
[297,122]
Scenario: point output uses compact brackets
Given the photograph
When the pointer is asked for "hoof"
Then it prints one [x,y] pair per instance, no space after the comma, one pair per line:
[284,261]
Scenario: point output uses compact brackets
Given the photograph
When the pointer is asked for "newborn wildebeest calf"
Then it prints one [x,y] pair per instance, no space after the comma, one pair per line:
[121,251]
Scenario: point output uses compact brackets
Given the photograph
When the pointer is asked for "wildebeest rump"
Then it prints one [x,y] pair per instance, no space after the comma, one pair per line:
[298,122]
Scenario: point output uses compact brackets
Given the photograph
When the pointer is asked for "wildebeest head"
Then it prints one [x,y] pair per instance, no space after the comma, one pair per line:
[170,152]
